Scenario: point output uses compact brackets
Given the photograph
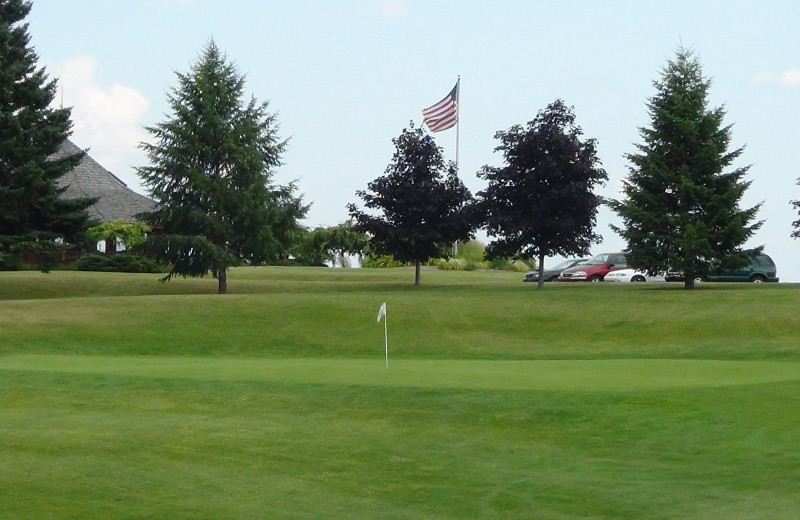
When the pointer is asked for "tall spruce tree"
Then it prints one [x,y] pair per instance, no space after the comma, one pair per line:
[541,203]
[425,206]
[34,221]
[681,208]
[796,224]
[211,174]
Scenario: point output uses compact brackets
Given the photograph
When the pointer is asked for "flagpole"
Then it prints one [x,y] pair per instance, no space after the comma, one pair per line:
[383,315]
[458,125]
[458,116]
[440,117]
[386,338]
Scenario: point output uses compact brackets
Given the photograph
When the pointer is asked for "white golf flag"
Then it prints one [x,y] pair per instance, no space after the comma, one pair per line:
[382,311]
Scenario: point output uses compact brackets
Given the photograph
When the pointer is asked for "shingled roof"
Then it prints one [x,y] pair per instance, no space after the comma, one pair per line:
[116,201]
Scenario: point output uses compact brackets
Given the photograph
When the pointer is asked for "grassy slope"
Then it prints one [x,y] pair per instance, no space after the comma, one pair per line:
[325,431]
[319,312]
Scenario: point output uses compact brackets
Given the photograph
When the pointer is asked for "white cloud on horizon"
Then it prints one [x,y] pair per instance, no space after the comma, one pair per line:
[788,78]
[106,119]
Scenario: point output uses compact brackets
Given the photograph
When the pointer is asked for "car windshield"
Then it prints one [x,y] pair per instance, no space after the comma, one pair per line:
[598,260]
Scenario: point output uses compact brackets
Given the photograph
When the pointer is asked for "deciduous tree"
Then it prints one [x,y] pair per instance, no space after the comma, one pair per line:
[130,233]
[332,244]
[211,172]
[681,208]
[541,202]
[424,204]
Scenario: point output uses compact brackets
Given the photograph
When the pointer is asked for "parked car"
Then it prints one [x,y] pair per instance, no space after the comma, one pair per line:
[761,268]
[551,274]
[631,275]
[595,269]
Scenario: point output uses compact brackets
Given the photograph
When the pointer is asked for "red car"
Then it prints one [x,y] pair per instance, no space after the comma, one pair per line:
[595,269]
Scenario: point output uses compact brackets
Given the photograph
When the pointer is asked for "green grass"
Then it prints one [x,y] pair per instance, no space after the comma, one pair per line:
[121,397]
[285,312]
[617,375]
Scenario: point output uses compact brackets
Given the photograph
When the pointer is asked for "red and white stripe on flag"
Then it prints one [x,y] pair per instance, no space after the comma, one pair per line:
[444,114]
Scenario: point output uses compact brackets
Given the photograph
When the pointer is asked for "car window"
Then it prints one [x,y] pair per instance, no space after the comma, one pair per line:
[563,265]
[599,259]
[619,261]
[764,261]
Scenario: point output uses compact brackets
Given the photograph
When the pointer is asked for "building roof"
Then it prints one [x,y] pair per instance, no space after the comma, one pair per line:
[116,201]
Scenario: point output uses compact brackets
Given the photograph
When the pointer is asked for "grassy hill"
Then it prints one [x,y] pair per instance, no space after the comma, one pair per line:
[121,397]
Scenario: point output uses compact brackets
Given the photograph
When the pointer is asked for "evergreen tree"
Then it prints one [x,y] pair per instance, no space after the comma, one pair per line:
[541,202]
[796,224]
[681,210]
[34,221]
[211,170]
[425,205]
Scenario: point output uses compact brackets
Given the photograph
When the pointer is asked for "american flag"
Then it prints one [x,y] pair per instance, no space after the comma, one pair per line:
[444,114]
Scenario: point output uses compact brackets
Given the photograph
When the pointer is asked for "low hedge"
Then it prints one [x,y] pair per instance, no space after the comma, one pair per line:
[120,263]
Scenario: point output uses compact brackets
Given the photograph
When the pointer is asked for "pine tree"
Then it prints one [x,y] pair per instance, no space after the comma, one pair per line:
[796,224]
[211,170]
[425,206]
[681,210]
[541,202]
[34,221]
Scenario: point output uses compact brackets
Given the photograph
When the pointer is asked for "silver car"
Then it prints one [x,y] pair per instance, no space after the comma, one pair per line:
[551,274]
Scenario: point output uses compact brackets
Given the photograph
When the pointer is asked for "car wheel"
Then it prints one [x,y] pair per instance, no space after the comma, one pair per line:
[638,278]
[596,278]
[758,279]
[553,279]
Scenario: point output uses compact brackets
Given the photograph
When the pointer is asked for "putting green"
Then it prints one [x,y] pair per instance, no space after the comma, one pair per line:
[577,375]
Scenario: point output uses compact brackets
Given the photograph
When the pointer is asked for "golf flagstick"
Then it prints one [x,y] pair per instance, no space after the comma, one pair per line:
[382,314]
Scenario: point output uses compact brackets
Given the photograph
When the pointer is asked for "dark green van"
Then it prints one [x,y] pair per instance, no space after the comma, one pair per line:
[760,269]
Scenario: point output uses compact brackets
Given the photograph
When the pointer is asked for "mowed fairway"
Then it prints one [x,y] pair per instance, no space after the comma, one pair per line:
[124,398]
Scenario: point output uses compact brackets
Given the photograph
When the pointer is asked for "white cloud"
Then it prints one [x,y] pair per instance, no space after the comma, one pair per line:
[788,78]
[106,119]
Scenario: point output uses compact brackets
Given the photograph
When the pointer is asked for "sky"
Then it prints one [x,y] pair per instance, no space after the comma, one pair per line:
[345,77]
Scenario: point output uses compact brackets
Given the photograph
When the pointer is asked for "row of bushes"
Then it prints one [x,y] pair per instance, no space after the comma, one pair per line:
[120,263]
[465,264]
[469,257]
[381,262]
[127,263]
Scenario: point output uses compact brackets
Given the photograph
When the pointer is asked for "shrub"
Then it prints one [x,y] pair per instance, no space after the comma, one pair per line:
[510,264]
[460,264]
[121,263]
[453,264]
[472,250]
[10,263]
[381,262]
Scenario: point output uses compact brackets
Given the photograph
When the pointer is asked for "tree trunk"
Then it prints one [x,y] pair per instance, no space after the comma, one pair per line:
[541,271]
[222,276]
[688,282]
[417,274]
